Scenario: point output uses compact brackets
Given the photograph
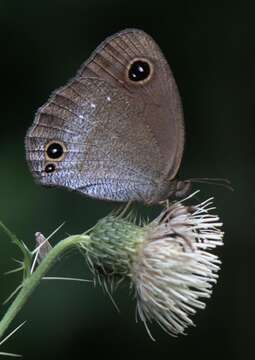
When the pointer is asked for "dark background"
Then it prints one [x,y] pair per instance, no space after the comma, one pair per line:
[211,51]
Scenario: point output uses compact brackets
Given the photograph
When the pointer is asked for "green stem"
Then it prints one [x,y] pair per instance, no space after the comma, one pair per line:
[33,280]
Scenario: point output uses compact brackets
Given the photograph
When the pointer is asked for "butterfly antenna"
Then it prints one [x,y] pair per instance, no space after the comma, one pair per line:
[214,181]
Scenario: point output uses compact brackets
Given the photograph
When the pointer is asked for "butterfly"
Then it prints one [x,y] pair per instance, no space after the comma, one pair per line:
[115,131]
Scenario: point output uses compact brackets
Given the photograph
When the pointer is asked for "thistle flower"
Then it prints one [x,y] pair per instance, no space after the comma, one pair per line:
[168,261]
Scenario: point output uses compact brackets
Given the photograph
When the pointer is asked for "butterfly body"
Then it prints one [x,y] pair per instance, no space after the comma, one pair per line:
[115,131]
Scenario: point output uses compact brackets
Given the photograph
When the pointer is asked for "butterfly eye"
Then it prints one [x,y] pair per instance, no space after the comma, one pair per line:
[55,150]
[49,168]
[140,71]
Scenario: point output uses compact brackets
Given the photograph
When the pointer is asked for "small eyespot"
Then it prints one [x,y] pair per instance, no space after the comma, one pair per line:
[140,71]
[55,150]
[49,168]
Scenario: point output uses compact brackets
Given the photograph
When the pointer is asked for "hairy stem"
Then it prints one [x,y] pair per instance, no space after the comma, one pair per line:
[30,283]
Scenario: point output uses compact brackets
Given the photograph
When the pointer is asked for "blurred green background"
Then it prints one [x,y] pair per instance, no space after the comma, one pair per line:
[211,51]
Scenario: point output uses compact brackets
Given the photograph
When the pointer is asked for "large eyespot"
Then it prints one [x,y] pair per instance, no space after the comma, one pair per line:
[140,71]
[50,168]
[55,150]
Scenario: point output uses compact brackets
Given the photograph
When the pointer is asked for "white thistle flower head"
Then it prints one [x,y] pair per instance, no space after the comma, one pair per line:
[174,268]
[168,261]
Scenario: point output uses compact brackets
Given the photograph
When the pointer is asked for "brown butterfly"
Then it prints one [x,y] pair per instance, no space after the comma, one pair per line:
[115,131]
